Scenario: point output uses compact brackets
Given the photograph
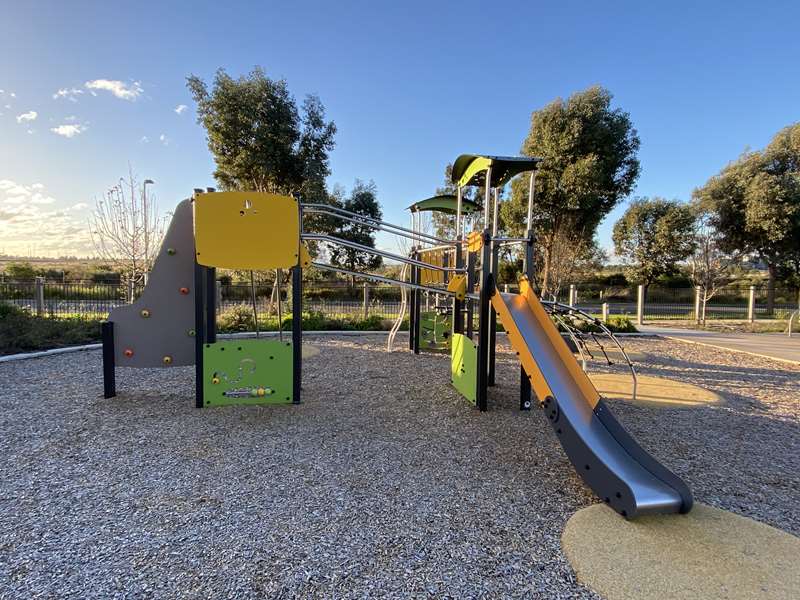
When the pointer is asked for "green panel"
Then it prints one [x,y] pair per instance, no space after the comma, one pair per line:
[435,331]
[464,366]
[446,203]
[234,372]
[470,169]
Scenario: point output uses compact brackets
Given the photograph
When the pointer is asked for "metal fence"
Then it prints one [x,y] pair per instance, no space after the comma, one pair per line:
[345,300]
[687,303]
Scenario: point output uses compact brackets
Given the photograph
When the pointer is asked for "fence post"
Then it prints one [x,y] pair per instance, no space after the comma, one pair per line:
[218,288]
[39,296]
[505,288]
[130,291]
[751,304]
[640,305]
[573,295]
[366,300]
[697,303]
[604,309]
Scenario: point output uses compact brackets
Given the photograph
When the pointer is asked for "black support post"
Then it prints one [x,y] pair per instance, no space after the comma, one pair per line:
[470,290]
[199,331]
[297,333]
[412,296]
[493,321]
[487,284]
[458,305]
[525,397]
[211,304]
[417,302]
[109,361]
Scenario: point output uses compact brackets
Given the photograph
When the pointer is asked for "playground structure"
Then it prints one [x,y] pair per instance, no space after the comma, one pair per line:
[174,321]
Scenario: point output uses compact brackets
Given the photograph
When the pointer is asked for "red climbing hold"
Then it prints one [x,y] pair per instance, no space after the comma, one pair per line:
[184,290]
[128,352]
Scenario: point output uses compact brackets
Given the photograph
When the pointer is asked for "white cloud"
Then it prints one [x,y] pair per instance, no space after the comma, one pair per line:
[144,139]
[31,220]
[68,131]
[163,139]
[28,116]
[180,108]
[70,94]
[120,89]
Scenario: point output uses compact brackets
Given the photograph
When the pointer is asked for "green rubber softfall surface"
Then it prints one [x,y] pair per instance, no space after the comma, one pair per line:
[247,372]
[464,366]
[435,331]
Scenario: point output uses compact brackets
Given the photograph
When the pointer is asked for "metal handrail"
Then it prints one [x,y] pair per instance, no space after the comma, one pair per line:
[352,217]
[389,280]
[319,237]
[791,320]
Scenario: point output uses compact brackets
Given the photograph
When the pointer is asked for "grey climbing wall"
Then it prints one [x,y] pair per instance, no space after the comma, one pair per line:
[158,329]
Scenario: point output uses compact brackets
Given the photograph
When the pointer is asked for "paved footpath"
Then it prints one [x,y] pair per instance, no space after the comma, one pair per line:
[770,345]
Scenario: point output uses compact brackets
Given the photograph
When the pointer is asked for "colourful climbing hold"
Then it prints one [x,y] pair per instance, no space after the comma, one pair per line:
[261,391]
[171,251]
[184,290]
[128,352]
[167,360]
[215,380]
[145,313]
[190,332]
[254,392]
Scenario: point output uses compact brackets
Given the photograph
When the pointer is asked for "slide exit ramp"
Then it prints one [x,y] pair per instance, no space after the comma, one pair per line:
[608,459]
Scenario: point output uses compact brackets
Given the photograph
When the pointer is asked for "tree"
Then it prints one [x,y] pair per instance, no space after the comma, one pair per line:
[754,204]
[590,165]
[652,236]
[126,229]
[710,266]
[259,139]
[363,200]
[20,271]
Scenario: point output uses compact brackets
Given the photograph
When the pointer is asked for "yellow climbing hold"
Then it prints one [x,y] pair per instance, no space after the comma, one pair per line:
[215,380]
[167,360]
[145,313]
[261,391]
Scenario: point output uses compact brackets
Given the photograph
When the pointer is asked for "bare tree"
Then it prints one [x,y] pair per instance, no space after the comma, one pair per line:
[710,267]
[126,229]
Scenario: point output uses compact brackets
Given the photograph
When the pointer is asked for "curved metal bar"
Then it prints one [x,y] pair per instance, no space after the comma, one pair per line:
[389,280]
[402,313]
[346,215]
[578,344]
[791,320]
[319,237]
[606,330]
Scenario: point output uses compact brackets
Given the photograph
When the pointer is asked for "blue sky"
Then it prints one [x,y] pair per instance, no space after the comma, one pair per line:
[410,86]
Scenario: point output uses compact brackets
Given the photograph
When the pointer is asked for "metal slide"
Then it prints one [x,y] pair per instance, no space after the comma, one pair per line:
[608,459]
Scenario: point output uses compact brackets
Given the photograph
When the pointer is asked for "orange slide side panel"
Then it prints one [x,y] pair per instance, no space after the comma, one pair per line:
[556,342]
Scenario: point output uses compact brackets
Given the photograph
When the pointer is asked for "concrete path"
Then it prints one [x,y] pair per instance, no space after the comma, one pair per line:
[769,345]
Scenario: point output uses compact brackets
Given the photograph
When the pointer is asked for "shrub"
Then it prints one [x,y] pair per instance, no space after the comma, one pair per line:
[22,332]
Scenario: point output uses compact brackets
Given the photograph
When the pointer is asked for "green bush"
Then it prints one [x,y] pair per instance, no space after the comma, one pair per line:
[22,332]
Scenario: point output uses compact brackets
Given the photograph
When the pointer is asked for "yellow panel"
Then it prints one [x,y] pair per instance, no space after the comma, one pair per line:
[458,285]
[305,257]
[246,230]
[432,257]
[475,241]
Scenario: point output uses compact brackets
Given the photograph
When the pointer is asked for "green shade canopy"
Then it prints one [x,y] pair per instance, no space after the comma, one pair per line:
[446,203]
[470,169]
